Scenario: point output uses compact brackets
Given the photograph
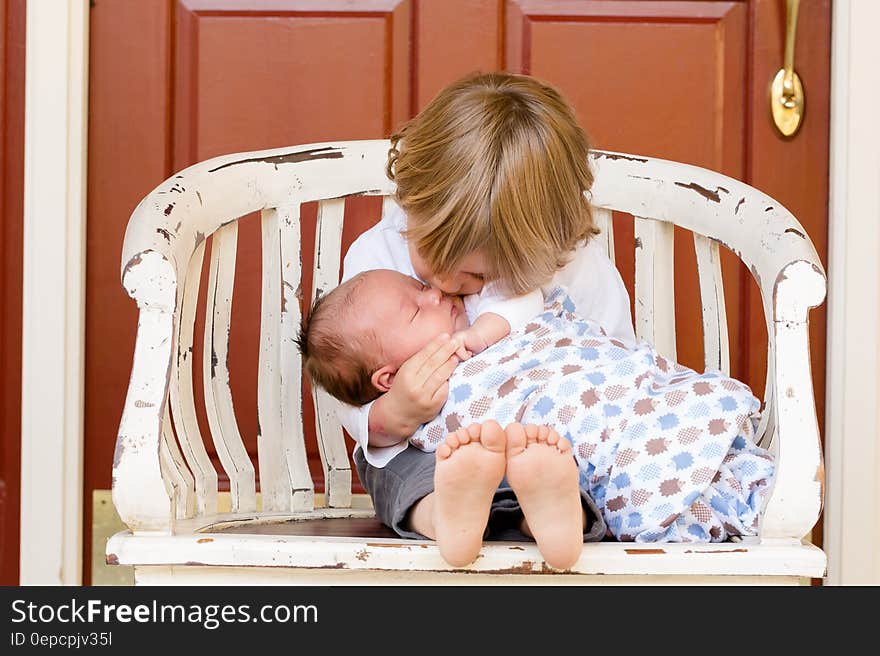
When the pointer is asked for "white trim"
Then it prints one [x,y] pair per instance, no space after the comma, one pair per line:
[852,508]
[56,97]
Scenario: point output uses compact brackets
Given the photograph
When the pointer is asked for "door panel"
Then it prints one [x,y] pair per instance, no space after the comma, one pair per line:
[12,64]
[177,81]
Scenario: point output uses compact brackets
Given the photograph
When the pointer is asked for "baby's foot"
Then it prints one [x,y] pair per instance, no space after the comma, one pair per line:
[542,472]
[470,465]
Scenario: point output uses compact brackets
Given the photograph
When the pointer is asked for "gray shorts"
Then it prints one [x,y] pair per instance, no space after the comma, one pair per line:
[409,476]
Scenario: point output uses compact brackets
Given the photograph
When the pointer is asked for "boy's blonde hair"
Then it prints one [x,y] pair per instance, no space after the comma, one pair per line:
[495,161]
[339,362]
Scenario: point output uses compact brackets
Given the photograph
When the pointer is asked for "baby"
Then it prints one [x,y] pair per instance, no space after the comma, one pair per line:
[667,454]
[361,333]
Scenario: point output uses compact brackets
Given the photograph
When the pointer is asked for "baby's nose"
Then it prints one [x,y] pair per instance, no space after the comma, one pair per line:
[432,296]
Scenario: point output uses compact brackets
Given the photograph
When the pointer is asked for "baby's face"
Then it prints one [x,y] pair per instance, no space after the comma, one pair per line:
[405,315]
[467,278]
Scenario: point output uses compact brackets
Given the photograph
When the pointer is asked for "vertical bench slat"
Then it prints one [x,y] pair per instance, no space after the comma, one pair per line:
[655,284]
[331,442]
[713,307]
[183,409]
[175,470]
[603,220]
[215,372]
[292,434]
[275,484]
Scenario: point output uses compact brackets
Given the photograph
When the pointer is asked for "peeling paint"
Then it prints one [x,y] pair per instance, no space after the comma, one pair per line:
[326,152]
[789,392]
[714,196]
[199,196]
[165,234]
[143,404]
[767,209]
[200,237]
[169,209]
[613,156]
[214,361]
[112,559]
[117,452]
[362,555]
[741,201]
[638,242]
[643,552]
[796,232]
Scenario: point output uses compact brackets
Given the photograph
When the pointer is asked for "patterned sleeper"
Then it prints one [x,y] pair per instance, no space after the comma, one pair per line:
[667,453]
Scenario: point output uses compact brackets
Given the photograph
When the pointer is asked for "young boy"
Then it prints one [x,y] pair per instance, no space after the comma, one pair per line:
[492,177]
[667,453]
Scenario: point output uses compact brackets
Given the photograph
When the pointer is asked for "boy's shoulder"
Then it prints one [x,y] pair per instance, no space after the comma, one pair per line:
[381,246]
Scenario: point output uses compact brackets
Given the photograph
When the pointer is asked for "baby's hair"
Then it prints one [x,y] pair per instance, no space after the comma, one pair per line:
[341,363]
[495,161]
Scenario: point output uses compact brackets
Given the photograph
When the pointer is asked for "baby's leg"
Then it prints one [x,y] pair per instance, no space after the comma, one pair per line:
[470,465]
[542,472]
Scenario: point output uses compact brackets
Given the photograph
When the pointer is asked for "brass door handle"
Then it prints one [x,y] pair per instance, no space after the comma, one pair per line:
[786,90]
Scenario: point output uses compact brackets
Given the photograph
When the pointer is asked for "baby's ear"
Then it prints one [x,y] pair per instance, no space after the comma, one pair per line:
[383,378]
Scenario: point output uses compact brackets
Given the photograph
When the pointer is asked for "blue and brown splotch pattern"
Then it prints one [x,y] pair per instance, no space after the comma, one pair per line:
[666,452]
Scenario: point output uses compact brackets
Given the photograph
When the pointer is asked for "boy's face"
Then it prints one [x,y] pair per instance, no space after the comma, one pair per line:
[405,315]
[467,278]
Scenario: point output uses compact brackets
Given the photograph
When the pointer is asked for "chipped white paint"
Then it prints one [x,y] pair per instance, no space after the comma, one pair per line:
[510,558]
[713,308]
[290,379]
[183,406]
[166,233]
[331,442]
[175,471]
[655,285]
[275,484]
[215,372]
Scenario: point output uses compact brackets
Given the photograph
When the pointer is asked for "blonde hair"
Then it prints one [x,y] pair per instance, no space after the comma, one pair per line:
[340,363]
[495,161]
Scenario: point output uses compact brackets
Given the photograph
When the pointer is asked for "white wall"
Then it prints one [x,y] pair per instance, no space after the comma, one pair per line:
[852,504]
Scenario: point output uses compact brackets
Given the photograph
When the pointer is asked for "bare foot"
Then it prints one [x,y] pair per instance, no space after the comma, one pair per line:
[542,472]
[470,465]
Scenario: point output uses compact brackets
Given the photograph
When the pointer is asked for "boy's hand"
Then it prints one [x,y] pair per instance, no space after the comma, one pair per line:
[418,392]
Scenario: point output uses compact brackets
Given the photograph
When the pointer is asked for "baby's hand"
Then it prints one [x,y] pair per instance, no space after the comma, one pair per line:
[471,343]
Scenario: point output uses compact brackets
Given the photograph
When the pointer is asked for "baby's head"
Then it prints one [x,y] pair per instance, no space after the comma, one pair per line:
[357,336]
[493,169]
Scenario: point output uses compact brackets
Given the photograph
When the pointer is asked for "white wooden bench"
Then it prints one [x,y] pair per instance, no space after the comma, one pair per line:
[165,489]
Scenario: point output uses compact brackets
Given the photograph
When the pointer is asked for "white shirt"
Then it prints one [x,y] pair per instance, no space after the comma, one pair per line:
[591,279]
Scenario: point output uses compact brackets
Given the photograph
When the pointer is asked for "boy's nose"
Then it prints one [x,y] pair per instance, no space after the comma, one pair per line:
[448,284]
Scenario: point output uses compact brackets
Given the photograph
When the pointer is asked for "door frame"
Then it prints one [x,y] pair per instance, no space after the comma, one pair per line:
[53,293]
[852,424]
[54,298]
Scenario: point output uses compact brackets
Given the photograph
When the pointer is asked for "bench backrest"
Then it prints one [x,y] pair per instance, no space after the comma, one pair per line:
[162,472]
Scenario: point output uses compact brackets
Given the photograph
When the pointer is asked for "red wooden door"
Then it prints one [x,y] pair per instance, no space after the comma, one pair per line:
[12,38]
[177,81]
